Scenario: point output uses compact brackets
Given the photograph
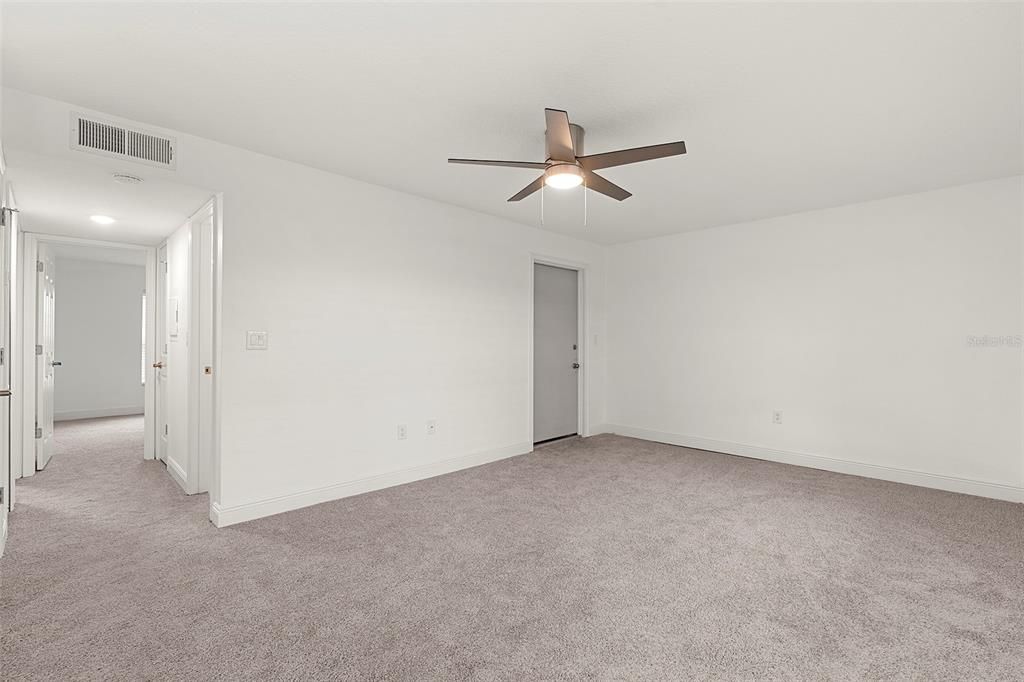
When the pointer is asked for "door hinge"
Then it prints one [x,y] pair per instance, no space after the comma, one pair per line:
[39,266]
[3,215]
[39,350]
[1,356]
[39,432]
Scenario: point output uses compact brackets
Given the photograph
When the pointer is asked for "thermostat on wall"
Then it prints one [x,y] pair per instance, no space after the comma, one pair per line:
[255,340]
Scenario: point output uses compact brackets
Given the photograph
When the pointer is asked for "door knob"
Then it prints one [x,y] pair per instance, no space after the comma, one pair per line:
[575,365]
[158,365]
[56,363]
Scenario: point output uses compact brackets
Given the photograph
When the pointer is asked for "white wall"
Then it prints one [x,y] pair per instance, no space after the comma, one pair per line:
[382,308]
[98,339]
[853,321]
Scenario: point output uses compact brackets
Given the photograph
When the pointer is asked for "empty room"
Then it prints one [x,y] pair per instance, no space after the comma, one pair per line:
[518,341]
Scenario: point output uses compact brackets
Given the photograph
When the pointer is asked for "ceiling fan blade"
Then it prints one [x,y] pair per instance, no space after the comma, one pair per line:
[528,190]
[508,164]
[558,136]
[609,189]
[634,155]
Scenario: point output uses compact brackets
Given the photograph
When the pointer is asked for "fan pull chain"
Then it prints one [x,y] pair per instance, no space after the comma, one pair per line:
[542,205]
[585,200]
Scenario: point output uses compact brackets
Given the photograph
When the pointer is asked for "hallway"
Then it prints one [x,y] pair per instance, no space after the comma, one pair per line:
[98,519]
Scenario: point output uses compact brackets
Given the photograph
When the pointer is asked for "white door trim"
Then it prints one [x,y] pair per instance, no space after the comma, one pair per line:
[202,459]
[12,433]
[202,328]
[584,377]
[27,360]
[215,389]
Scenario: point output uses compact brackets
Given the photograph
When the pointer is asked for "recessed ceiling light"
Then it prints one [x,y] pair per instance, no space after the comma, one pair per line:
[101,219]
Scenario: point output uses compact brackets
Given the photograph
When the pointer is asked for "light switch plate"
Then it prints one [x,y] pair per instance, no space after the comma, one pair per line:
[173,318]
[255,340]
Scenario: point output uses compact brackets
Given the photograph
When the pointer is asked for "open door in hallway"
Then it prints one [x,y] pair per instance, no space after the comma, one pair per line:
[8,227]
[160,375]
[45,363]
[185,334]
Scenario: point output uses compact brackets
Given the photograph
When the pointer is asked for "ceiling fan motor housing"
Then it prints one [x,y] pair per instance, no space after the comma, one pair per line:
[577,143]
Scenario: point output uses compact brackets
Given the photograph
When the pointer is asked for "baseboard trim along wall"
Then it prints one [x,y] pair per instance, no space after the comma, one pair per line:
[71,415]
[967,486]
[227,516]
[176,472]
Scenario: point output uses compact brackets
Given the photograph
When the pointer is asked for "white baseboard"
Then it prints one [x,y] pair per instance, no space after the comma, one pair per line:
[71,415]
[598,429]
[3,532]
[967,486]
[227,516]
[177,473]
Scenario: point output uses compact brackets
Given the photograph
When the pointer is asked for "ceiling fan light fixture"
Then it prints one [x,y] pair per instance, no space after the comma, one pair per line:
[563,176]
[566,166]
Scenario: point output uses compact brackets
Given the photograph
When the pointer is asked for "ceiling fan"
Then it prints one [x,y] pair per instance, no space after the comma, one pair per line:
[567,166]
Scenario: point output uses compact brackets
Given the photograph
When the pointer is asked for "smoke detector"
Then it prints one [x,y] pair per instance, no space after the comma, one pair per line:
[126,179]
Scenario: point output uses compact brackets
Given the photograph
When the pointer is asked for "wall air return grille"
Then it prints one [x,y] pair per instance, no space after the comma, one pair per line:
[121,142]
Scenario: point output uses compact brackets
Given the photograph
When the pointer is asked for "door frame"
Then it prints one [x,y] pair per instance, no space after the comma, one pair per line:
[159,293]
[203,351]
[43,367]
[12,432]
[28,255]
[583,379]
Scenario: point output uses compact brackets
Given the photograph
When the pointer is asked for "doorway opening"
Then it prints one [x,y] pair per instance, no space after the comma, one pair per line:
[558,351]
[116,310]
[117,330]
[86,335]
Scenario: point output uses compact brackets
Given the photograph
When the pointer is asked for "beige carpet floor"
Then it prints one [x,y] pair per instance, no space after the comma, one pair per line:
[605,558]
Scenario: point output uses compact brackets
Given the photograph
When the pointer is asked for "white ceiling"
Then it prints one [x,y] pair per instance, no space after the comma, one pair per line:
[784,107]
[57,196]
[121,256]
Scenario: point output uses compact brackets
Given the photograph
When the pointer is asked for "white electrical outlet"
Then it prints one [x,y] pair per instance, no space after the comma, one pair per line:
[431,427]
[777,416]
[403,432]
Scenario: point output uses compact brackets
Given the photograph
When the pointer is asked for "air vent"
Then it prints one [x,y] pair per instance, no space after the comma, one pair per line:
[121,142]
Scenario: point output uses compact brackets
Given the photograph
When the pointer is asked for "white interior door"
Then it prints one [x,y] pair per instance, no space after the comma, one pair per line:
[176,371]
[555,354]
[7,228]
[45,311]
[160,376]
